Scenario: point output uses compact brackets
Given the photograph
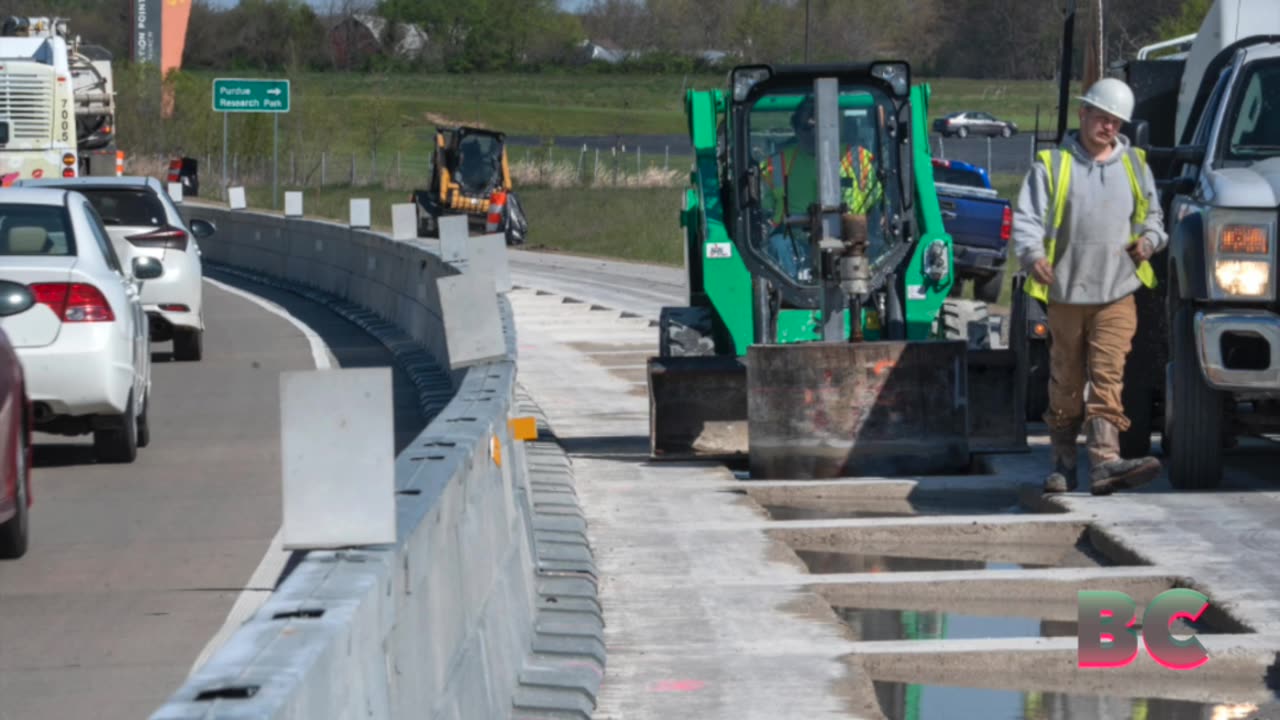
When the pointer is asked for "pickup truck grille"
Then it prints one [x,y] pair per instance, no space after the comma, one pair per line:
[26,102]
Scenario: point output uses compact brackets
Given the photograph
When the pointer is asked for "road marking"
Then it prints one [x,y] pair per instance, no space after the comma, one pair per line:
[273,562]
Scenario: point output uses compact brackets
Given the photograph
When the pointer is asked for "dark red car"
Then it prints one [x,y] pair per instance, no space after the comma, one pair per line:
[15,432]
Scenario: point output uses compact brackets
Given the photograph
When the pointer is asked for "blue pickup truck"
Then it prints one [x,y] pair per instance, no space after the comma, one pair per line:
[979,222]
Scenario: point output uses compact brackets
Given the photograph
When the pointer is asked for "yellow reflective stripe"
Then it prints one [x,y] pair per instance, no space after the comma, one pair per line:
[1145,272]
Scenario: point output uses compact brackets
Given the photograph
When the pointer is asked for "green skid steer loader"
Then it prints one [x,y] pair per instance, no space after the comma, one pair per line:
[819,340]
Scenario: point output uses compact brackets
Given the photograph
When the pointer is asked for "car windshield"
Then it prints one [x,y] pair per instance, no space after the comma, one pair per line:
[126,206]
[35,230]
[1254,130]
[782,132]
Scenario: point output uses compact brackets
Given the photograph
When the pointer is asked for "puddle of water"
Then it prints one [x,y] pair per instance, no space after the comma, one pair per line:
[901,701]
[897,508]
[826,563]
[879,625]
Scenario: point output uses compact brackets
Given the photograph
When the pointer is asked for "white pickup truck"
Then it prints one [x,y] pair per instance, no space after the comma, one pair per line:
[1214,327]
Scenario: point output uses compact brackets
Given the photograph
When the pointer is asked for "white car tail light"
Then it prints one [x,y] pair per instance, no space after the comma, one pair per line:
[74,302]
[170,238]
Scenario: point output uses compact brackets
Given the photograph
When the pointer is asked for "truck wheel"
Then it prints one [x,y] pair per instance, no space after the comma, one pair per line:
[1193,415]
[685,332]
[966,320]
[989,290]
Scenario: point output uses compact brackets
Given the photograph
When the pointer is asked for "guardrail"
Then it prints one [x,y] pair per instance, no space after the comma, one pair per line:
[486,604]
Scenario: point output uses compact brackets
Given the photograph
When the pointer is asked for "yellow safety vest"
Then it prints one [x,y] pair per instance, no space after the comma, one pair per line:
[1058,191]
[863,192]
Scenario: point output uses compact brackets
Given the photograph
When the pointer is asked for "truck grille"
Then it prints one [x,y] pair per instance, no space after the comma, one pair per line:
[26,102]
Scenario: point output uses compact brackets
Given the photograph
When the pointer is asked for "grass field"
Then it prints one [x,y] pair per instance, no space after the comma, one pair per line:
[640,224]
[356,113]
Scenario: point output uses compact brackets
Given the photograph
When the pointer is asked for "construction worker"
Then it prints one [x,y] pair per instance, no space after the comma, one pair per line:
[1088,220]
[789,180]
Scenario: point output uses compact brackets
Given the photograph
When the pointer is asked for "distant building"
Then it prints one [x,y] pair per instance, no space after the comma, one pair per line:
[358,37]
[592,51]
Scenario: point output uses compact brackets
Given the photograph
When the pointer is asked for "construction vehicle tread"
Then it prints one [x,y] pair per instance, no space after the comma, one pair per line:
[967,320]
[685,332]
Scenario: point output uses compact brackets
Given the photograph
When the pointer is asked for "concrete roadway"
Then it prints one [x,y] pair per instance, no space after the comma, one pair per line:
[134,568]
[709,613]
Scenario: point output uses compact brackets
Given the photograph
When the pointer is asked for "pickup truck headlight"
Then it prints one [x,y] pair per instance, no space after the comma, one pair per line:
[1241,254]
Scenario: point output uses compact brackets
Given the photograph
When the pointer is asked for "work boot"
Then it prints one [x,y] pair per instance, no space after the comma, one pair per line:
[1063,450]
[1109,472]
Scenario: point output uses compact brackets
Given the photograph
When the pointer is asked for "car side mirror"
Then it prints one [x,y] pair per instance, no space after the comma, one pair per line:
[1140,134]
[146,267]
[15,298]
[1191,154]
[1181,185]
[202,228]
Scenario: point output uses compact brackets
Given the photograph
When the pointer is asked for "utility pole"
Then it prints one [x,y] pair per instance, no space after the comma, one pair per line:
[1102,53]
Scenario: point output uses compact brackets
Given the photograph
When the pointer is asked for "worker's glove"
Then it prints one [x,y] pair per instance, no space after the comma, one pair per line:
[1140,251]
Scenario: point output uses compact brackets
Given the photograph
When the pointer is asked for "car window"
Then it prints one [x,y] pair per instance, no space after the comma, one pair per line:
[35,230]
[955,176]
[1255,115]
[103,239]
[127,206]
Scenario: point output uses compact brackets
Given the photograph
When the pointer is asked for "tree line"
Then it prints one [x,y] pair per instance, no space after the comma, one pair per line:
[1007,39]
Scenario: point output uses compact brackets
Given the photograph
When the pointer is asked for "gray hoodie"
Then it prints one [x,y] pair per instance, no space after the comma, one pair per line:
[1092,266]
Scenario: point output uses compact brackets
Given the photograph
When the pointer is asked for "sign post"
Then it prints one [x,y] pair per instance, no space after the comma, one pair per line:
[241,95]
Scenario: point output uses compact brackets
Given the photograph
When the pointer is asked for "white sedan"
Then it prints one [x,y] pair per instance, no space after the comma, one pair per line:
[143,220]
[84,344]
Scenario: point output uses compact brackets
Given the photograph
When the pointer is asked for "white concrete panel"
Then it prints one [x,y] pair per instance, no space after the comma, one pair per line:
[338,457]
[404,221]
[236,198]
[175,191]
[453,238]
[472,326]
[293,203]
[359,212]
[487,255]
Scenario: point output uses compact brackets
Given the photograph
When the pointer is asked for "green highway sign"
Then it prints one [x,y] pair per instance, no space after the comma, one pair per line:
[261,96]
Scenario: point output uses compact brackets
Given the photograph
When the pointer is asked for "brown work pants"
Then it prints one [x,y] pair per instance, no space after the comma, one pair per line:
[1088,343]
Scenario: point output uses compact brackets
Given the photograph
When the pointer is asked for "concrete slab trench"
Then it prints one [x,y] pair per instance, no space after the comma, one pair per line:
[959,595]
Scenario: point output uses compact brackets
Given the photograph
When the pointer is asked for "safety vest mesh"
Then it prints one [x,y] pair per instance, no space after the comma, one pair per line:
[1058,166]
[860,194]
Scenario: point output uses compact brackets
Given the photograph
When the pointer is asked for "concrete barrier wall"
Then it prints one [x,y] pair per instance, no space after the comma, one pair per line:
[461,618]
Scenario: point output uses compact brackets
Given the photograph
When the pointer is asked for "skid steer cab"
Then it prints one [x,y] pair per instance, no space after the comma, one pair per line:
[819,340]
[470,176]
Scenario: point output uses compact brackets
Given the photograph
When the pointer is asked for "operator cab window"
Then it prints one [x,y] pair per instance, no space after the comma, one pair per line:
[782,132]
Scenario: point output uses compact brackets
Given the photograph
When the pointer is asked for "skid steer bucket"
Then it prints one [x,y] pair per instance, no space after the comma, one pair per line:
[697,408]
[827,410]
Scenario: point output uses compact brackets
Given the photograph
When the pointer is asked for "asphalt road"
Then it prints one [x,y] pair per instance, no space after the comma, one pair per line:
[134,568]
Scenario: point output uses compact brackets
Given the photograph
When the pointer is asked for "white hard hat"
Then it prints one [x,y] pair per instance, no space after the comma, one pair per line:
[1111,96]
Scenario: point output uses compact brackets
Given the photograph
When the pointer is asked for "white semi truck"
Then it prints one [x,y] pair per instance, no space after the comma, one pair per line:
[57,102]
[1210,117]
